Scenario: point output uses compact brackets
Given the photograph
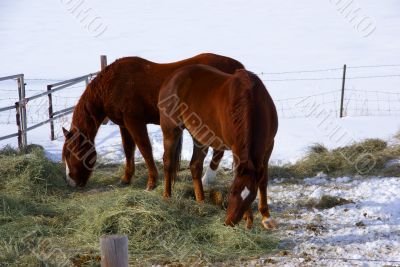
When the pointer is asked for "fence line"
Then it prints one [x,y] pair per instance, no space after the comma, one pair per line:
[332,78]
[329,69]
[23,103]
[355,102]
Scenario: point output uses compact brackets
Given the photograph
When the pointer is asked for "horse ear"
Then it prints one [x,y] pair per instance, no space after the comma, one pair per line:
[65,132]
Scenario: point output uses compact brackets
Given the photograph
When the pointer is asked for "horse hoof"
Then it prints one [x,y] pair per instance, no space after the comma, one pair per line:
[249,224]
[269,223]
[123,183]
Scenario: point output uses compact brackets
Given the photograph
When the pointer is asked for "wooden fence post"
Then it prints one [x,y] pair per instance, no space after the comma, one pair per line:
[103,65]
[52,137]
[103,62]
[21,92]
[18,120]
[343,85]
[114,251]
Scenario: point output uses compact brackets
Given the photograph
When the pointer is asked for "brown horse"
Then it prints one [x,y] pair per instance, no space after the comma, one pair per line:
[126,92]
[224,111]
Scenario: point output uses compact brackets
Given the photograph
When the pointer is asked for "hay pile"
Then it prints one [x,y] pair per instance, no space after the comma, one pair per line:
[369,157]
[42,222]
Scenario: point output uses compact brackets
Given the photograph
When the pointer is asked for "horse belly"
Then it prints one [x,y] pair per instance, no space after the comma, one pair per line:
[206,135]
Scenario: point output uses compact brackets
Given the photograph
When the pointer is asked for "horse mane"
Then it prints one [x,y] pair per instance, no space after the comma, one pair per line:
[88,112]
[242,114]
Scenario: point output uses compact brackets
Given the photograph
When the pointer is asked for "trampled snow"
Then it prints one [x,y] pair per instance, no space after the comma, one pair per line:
[363,233]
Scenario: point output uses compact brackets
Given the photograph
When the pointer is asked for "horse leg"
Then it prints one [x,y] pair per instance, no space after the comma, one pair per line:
[266,221]
[171,141]
[248,217]
[196,168]
[211,172]
[129,149]
[141,137]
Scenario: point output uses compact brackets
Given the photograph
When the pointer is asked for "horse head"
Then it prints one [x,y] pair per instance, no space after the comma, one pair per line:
[242,193]
[79,155]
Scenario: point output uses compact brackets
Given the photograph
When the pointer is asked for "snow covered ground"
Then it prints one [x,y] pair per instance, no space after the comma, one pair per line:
[363,233]
[51,40]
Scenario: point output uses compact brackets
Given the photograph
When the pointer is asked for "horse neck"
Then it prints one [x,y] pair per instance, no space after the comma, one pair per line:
[87,120]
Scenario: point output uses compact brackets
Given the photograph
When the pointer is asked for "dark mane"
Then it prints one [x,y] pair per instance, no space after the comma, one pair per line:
[88,112]
[241,114]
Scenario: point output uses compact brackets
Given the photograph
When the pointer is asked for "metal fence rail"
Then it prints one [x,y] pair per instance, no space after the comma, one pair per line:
[20,110]
[51,88]
[21,105]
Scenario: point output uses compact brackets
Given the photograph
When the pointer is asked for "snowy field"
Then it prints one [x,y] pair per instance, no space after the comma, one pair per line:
[297,47]
[362,233]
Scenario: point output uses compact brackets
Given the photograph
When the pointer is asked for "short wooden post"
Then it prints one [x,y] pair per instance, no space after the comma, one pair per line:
[103,65]
[114,251]
[342,96]
[52,137]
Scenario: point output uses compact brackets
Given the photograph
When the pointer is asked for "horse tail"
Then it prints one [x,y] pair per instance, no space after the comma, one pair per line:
[177,159]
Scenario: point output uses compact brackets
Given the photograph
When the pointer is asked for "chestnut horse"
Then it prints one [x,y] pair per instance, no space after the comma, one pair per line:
[126,92]
[225,112]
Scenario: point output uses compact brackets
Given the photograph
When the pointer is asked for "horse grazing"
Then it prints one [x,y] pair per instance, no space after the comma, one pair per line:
[126,92]
[225,112]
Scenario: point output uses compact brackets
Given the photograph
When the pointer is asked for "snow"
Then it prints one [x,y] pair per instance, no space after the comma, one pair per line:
[51,40]
[317,194]
[335,233]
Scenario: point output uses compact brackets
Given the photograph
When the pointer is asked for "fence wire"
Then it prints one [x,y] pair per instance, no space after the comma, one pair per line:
[356,102]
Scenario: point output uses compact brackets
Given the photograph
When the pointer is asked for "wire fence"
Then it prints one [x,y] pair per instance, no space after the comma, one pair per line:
[34,108]
[356,102]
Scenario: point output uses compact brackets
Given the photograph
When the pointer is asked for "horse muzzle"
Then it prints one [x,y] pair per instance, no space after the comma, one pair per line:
[229,221]
[68,179]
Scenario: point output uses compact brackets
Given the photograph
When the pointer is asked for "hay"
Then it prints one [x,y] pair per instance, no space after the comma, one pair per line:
[43,222]
[367,158]
[325,202]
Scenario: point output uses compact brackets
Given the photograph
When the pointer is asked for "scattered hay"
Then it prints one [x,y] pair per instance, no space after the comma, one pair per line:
[367,158]
[325,202]
[317,149]
[317,229]
[360,224]
[44,223]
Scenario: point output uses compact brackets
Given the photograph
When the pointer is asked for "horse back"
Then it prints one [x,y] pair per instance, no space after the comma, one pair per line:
[139,80]
[232,106]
